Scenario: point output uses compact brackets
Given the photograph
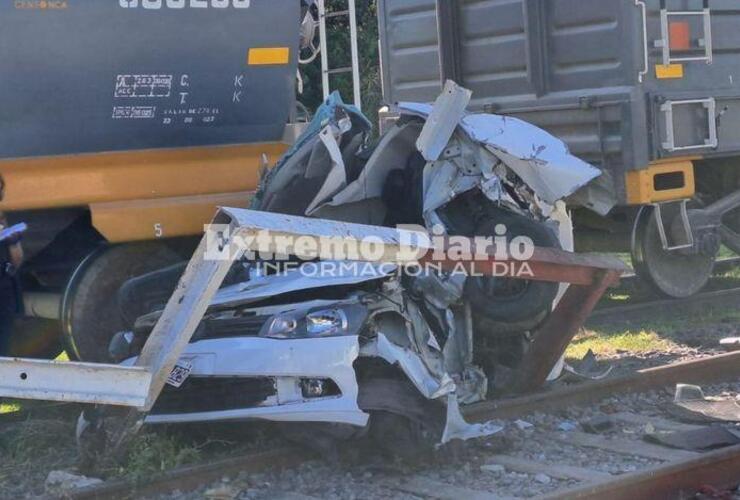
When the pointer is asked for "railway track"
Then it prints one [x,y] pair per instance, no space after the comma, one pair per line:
[697,304]
[665,472]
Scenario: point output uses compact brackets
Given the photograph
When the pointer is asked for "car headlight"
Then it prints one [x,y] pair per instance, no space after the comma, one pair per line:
[321,323]
[326,322]
[282,327]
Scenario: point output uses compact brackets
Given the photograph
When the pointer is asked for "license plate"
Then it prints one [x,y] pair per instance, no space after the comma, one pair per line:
[179,373]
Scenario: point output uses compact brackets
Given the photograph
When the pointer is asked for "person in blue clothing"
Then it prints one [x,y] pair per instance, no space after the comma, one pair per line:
[11,258]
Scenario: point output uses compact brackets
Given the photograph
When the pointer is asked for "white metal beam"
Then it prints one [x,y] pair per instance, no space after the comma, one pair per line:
[181,316]
[74,382]
[397,246]
[137,386]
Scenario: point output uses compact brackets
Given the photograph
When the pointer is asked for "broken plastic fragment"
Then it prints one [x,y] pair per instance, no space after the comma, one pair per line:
[457,428]
[413,366]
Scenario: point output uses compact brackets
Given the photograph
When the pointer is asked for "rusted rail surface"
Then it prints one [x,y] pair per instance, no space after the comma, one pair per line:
[707,370]
[192,477]
[717,468]
[635,313]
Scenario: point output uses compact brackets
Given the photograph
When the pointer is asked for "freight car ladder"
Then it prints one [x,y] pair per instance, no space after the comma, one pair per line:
[326,71]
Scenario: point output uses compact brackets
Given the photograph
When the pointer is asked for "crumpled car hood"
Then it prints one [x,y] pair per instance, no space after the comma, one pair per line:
[262,287]
[541,160]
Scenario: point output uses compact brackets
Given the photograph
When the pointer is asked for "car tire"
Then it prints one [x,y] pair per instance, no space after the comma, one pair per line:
[510,305]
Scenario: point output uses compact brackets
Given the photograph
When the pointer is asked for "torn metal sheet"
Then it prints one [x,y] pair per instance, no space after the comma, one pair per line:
[598,195]
[588,369]
[414,368]
[303,277]
[559,215]
[457,428]
[391,152]
[571,374]
[444,181]
[331,112]
[541,160]
[337,177]
[440,291]
[443,120]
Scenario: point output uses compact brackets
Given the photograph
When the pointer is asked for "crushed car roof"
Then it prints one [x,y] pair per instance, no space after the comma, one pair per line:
[540,159]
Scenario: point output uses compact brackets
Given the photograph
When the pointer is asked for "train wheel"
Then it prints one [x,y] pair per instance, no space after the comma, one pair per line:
[673,274]
[90,314]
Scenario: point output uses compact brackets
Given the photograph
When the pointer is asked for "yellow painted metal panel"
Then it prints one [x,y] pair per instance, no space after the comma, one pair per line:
[667,71]
[641,189]
[140,220]
[81,180]
[268,56]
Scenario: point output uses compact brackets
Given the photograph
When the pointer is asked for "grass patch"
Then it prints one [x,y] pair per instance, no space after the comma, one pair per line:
[33,441]
[658,335]
[10,407]
[637,342]
[157,452]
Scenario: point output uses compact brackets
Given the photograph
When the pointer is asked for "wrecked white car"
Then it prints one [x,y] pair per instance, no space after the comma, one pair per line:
[361,345]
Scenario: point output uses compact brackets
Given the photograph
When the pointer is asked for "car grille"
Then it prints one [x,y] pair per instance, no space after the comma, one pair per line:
[243,326]
[205,394]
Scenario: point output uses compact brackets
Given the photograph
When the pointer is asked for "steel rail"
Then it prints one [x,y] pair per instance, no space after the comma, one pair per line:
[633,313]
[193,476]
[707,370]
[720,267]
[719,469]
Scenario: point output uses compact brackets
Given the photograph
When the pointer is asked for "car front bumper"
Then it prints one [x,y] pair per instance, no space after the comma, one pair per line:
[274,369]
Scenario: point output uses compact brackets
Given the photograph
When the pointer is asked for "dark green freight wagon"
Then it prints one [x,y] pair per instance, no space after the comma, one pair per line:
[647,90]
[85,76]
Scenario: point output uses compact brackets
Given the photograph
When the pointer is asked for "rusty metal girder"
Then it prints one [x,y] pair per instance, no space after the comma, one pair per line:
[557,332]
[547,264]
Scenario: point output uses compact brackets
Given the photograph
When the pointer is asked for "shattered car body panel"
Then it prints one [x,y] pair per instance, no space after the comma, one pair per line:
[541,160]
[302,336]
